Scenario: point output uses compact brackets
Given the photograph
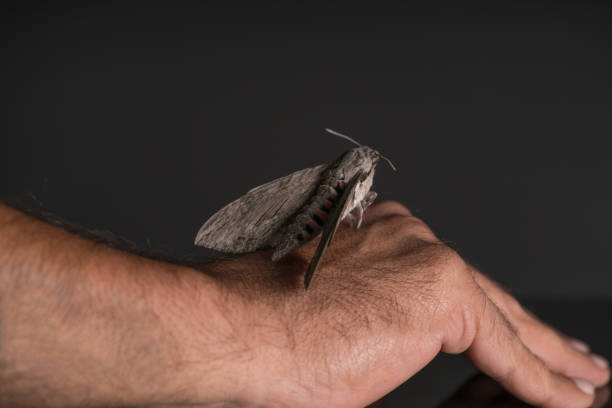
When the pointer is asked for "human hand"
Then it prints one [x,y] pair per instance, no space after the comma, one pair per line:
[86,325]
[386,299]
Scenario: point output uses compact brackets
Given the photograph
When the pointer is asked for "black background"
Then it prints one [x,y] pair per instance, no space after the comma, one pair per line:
[144,118]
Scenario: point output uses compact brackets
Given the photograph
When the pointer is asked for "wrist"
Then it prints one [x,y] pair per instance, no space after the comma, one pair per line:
[209,355]
[261,322]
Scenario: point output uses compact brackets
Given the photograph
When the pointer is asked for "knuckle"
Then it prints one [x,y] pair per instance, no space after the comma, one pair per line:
[392,207]
[544,384]
[403,227]
[444,266]
[448,259]
[393,219]
[419,229]
[440,260]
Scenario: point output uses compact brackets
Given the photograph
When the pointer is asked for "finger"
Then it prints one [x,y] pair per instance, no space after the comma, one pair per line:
[579,345]
[558,353]
[555,349]
[499,352]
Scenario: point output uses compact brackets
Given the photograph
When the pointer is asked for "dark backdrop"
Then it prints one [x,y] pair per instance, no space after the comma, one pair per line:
[144,118]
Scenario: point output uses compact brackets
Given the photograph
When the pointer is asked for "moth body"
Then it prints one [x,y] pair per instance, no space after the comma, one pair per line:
[289,211]
[309,221]
[313,216]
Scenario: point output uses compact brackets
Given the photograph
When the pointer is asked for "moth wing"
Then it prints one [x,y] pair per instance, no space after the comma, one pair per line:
[246,224]
[329,230]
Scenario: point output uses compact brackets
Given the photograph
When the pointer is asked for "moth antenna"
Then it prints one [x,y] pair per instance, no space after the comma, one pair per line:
[389,161]
[333,132]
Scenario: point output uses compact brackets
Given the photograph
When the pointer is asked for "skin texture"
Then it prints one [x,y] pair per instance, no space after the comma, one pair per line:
[82,324]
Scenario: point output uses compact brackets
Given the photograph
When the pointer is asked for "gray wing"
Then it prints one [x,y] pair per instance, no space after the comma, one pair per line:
[330,227]
[247,223]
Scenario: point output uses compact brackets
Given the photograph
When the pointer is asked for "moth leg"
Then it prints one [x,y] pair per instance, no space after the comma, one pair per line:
[360,208]
[356,216]
[352,220]
[368,199]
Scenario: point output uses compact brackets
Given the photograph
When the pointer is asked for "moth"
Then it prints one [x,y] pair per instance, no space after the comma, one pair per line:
[289,211]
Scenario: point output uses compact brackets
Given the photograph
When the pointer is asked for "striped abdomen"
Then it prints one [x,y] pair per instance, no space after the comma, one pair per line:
[309,221]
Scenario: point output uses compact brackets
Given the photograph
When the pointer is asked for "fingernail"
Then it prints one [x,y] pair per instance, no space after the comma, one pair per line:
[584,386]
[580,345]
[600,361]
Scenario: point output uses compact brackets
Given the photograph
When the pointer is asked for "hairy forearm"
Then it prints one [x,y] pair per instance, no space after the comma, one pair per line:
[82,324]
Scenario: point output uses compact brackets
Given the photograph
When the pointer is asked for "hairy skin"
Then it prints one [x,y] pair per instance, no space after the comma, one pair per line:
[85,325]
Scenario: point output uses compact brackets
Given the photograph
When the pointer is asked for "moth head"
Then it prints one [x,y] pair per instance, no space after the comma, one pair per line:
[374,154]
